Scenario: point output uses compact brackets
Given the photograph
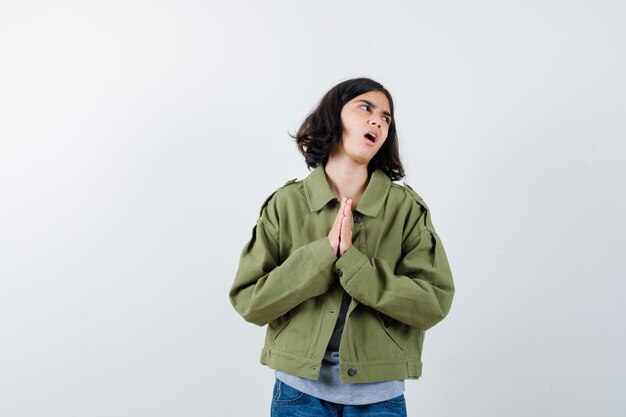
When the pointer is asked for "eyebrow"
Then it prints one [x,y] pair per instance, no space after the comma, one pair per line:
[372,105]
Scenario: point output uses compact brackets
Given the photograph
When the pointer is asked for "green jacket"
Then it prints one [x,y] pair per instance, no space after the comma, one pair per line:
[396,272]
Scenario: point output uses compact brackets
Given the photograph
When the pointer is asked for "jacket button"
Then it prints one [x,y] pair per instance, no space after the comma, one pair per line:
[352,371]
[386,324]
[357,218]
[339,273]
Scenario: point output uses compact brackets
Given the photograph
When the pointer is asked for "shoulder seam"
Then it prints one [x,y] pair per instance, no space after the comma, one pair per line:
[291,181]
[418,198]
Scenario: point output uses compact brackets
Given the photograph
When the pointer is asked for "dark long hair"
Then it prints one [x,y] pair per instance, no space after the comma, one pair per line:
[321,131]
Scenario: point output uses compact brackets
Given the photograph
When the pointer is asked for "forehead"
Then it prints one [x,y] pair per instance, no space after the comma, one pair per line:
[377,98]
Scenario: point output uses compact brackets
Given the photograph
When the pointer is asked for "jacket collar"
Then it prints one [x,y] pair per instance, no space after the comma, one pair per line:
[318,192]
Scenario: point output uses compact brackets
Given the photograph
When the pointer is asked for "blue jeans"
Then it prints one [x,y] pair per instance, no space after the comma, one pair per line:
[289,402]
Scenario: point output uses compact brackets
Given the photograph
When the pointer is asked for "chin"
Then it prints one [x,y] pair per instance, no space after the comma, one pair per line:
[363,160]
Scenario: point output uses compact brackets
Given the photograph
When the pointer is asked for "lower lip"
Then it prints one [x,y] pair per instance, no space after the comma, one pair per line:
[369,142]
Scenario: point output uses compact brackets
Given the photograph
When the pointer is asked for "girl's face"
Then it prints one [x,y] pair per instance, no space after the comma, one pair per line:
[365,122]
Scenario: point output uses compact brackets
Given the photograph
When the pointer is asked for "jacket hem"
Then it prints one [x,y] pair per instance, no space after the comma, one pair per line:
[351,372]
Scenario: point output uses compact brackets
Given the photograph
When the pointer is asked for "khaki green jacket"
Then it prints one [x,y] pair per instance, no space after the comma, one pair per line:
[396,272]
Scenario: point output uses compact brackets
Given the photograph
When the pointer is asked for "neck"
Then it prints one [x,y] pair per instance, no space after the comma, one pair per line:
[346,178]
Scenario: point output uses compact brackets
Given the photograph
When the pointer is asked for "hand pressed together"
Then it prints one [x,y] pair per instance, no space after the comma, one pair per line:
[340,235]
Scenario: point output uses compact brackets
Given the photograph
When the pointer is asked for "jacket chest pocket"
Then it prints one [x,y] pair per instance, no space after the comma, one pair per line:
[398,332]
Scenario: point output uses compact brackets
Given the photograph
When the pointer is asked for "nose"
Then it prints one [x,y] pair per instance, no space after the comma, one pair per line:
[375,122]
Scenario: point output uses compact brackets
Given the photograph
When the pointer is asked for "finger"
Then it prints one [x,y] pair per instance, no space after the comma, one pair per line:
[346,240]
[342,212]
[342,207]
[345,219]
[334,235]
[345,228]
[337,222]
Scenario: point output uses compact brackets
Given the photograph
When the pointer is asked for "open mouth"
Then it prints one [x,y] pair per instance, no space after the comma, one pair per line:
[370,137]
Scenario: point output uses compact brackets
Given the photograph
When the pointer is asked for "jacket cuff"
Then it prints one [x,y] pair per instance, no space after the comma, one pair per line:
[349,264]
[322,253]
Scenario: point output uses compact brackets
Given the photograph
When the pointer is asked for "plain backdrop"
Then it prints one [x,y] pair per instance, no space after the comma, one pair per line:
[138,140]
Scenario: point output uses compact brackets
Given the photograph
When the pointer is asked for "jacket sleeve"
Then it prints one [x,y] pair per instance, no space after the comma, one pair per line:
[266,288]
[418,292]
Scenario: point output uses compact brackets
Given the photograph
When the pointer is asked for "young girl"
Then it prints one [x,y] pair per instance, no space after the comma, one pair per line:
[344,266]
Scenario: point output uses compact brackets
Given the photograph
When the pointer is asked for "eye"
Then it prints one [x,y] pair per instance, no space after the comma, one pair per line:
[364,107]
[387,119]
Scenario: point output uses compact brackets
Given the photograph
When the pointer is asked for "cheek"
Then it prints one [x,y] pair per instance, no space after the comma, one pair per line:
[385,141]
[386,136]
[349,130]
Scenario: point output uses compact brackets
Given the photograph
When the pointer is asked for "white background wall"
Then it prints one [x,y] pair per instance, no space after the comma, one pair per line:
[139,138]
